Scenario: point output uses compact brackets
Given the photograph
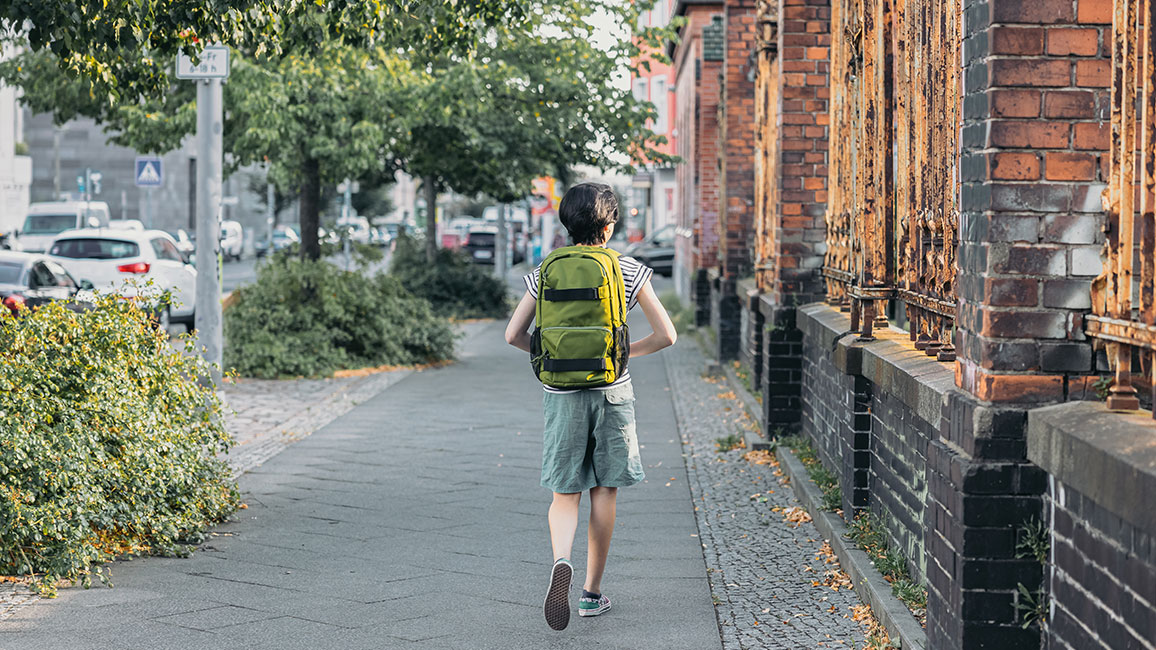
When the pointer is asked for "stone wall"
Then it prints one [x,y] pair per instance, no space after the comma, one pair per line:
[1101,526]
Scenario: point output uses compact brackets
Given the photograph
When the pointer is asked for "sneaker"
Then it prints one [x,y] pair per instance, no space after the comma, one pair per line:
[557,605]
[593,607]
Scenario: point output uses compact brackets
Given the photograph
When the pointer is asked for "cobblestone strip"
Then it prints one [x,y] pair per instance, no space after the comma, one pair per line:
[773,578]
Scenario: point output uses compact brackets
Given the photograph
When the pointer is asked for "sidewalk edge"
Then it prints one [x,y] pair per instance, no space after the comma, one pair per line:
[757,439]
[868,583]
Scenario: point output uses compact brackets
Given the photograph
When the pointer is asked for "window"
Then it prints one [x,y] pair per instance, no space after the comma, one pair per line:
[661,106]
[11,273]
[41,277]
[48,224]
[165,250]
[63,279]
[94,249]
[640,89]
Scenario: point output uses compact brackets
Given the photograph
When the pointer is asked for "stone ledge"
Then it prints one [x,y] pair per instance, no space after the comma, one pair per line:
[1109,457]
[889,361]
[872,588]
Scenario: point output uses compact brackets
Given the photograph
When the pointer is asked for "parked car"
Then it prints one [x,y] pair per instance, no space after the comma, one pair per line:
[356,228]
[46,220]
[28,280]
[109,260]
[380,237]
[656,251]
[185,244]
[283,237]
[480,244]
[232,240]
[126,224]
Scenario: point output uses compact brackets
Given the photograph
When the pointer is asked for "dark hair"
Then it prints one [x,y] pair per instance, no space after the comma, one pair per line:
[586,209]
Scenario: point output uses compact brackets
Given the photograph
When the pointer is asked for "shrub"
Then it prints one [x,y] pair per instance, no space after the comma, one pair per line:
[108,442]
[455,286]
[304,318]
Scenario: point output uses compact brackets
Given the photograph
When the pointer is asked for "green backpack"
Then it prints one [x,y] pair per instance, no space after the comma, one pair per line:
[580,337]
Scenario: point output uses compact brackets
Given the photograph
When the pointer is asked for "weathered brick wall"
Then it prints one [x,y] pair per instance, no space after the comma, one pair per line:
[1033,131]
[829,396]
[1103,583]
[1035,128]
[697,60]
[800,235]
[782,375]
[737,156]
[898,485]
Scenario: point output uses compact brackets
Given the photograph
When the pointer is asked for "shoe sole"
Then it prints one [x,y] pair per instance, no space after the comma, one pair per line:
[557,605]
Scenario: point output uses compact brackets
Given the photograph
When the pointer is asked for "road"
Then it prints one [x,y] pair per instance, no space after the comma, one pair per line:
[237,274]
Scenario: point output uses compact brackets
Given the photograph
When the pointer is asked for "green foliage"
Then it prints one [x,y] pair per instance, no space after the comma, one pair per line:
[681,315]
[454,286]
[867,531]
[109,442]
[122,48]
[729,442]
[309,318]
[1103,386]
[827,481]
[1035,541]
[1032,606]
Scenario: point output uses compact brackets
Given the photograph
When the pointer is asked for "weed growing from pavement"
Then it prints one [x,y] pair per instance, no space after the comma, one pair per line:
[867,531]
[824,478]
[745,378]
[730,443]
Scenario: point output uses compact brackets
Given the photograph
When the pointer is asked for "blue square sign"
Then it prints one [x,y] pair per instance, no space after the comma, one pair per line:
[149,172]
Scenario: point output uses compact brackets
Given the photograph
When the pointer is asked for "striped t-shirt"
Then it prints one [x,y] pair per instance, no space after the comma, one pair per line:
[635,274]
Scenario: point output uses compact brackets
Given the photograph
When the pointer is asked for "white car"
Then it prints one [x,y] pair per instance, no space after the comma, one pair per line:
[116,260]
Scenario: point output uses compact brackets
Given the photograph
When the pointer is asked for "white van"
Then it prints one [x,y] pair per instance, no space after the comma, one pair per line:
[47,220]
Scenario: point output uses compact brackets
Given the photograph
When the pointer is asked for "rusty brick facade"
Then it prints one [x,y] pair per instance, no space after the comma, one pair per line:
[697,62]
[953,443]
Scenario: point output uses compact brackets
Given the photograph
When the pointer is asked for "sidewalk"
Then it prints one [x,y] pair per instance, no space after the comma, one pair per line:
[414,520]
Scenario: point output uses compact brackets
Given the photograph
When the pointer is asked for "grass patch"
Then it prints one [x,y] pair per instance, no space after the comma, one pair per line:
[681,315]
[828,483]
[866,530]
[730,443]
[745,377]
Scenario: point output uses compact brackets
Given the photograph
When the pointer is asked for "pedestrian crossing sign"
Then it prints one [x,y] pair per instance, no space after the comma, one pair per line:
[149,172]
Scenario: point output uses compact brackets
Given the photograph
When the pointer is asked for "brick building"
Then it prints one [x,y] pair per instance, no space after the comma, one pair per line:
[913,217]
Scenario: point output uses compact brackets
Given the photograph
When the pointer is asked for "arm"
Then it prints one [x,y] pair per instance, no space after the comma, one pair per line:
[664,334]
[518,329]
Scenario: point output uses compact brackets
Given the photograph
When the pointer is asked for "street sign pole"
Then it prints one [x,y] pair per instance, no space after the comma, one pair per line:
[210,154]
[500,244]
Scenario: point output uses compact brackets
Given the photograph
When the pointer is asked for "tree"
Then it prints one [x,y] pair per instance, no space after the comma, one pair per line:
[533,98]
[314,120]
[121,46]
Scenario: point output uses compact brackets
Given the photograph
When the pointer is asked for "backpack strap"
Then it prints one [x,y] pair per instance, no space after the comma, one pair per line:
[571,365]
[560,295]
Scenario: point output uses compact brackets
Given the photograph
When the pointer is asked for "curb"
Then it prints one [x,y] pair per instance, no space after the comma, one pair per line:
[869,584]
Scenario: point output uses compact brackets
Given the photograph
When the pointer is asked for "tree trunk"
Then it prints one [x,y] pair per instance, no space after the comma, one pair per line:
[310,209]
[429,185]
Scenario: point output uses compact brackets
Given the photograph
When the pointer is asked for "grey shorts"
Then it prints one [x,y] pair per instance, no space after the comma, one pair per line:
[590,440]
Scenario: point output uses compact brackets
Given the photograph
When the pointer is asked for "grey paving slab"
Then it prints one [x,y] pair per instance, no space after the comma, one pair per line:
[414,520]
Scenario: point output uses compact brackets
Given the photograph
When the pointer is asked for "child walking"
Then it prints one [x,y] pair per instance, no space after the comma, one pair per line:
[589,441]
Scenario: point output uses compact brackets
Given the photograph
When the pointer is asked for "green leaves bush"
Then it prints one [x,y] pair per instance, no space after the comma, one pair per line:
[310,318]
[109,442]
[455,286]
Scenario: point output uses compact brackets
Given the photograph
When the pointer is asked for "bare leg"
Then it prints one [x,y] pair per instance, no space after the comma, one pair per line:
[563,522]
[603,506]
